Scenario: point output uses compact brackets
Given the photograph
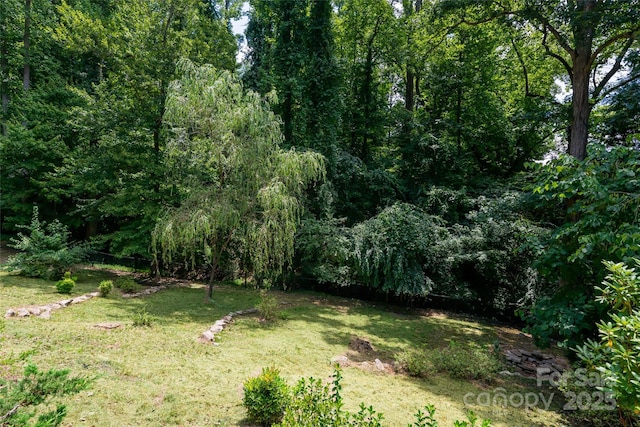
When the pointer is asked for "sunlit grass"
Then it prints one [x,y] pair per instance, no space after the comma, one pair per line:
[162,376]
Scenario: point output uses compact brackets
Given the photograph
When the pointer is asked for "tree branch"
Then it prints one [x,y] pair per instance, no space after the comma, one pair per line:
[618,86]
[554,31]
[614,69]
[524,70]
[552,54]
[631,35]
[10,413]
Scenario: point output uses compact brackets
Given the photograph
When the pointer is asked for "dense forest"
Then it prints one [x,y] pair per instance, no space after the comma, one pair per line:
[480,151]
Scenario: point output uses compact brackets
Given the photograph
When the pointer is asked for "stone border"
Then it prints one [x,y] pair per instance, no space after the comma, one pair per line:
[44,311]
[209,336]
[527,363]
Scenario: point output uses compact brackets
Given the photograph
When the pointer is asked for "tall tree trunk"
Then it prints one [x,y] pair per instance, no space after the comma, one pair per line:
[408,96]
[4,87]
[26,77]
[581,57]
[580,115]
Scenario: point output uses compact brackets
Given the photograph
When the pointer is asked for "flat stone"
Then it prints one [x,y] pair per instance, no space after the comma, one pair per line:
[513,358]
[108,325]
[228,319]
[23,312]
[340,360]
[10,313]
[64,302]
[379,365]
[207,336]
[216,329]
[46,314]
[55,306]
[220,323]
[35,310]
[94,294]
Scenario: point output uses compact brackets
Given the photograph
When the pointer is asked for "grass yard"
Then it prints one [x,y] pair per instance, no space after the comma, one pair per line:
[162,375]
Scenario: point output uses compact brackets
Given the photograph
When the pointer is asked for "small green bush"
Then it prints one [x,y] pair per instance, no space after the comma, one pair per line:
[466,362]
[105,287]
[142,318]
[37,388]
[127,285]
[66,285]
[45,251]
[471,363]
[266,397]
[414,362]
[268,306]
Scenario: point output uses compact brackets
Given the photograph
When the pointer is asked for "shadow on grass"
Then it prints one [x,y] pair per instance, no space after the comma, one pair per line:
[185,304]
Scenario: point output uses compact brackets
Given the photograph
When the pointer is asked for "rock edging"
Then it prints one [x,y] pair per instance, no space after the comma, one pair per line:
[44,311]
[528,363]
[209,335]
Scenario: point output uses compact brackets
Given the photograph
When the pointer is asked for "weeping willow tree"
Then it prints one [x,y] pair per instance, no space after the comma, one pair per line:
[236,183]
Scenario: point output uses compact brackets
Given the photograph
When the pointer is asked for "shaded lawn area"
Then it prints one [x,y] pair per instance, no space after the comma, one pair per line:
[161,375]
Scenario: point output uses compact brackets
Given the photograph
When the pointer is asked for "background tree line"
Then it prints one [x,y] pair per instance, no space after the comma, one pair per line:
[428,116]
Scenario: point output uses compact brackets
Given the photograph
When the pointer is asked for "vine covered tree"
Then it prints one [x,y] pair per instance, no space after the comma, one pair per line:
[237,183]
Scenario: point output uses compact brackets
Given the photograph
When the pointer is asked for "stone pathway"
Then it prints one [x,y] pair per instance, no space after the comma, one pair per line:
[209,335]
[44,311]
[527,363]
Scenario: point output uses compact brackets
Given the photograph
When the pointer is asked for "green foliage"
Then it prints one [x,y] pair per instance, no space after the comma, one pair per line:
[127,285]
[266,397]
[427,419]
[600,195]
[46,251]
[414,362]
[237,184]
[105,287]
[268,306]
[316,404]
[313,403]
[66,285]
[398,250]
[480,253]
[20,398]
[464,362]
[142,318]
[616,355]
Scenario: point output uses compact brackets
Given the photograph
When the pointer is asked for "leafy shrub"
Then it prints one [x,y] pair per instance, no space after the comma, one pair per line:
[414,362]
[127,285]
[66,285]
[427,419]
[19,398]
[266,397]
[142,318]
[46,251]
[599,222]
[105,287]
[268,306]
[316,404]
[616,356]
[464,362]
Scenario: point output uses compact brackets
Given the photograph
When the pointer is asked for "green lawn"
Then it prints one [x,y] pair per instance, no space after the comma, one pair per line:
[162,376]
